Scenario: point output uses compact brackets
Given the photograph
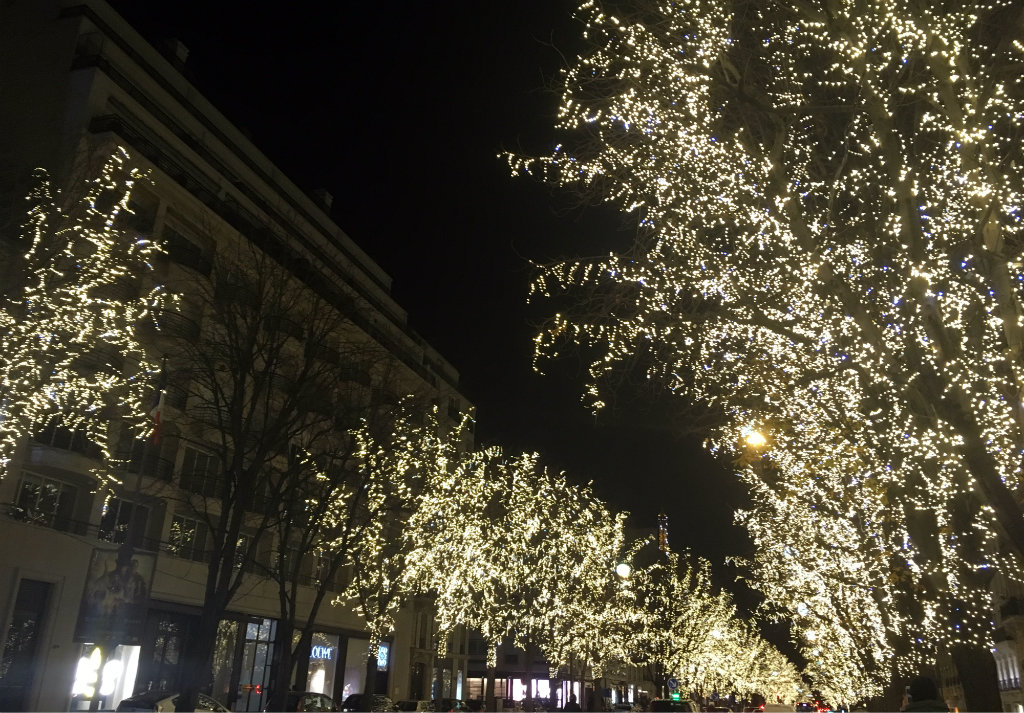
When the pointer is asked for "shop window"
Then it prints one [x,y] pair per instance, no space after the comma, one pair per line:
[257,657]
[162,664]
[18,661]
[102,682]
[200,472]
[187,538]
[323,658]
[45,501]
[224,660]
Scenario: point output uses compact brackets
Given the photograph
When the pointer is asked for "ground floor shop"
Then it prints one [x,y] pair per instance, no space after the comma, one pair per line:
[82,626]
[242,665]
[514,690]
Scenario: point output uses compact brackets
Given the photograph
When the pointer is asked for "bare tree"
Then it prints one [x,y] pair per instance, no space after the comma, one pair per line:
[400,469]
[259,381]
[327,501]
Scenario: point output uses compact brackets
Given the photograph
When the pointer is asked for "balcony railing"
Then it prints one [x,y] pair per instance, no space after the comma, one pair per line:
[82,528]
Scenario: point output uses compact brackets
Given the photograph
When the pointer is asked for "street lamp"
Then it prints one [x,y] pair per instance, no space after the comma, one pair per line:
[755,438]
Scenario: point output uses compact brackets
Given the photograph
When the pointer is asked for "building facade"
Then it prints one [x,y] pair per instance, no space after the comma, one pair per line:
[76,80]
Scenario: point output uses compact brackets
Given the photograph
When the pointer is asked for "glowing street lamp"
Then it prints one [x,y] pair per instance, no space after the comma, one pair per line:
[755,438]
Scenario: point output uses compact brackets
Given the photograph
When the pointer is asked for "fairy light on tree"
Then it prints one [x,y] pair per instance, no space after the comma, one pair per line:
[502,538]
[71,307]
[400,470]
[830,209]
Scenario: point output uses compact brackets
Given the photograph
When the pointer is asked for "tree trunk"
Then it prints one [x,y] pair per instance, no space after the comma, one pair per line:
[491,703]
[197,671]
[301,658]
[976,669]
[370,683]
[282,661]
[531,686]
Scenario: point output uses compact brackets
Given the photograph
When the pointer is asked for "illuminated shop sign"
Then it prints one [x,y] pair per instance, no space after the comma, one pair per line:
[321,652]
[382,657]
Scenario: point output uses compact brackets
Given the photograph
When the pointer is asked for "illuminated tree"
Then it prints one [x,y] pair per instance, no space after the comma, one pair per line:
[398,472]
[831,560]
[71,305]
[830,249]
[324,506]
[682,612]
[583,608]
[522,555]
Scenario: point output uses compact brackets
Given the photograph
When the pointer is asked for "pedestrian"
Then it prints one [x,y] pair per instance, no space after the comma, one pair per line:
[571,704]
[923,695]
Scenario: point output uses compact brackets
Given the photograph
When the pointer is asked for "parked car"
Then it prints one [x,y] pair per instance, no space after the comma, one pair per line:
[415,706]
[668,704]
[374,702]
[308,701]
[165,701]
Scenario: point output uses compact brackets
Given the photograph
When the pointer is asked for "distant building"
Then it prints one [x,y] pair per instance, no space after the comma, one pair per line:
[74,78]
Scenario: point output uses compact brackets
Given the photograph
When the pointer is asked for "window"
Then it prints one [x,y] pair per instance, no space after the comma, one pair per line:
[323,563]
[123,521]
[188,538]
[143,207]
[185,252]
[200,472]
[45,501]
[241,550]
[20,660]
[59,436]
[144,457]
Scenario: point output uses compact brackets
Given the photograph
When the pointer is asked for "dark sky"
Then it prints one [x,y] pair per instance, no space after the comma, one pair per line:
[400,109]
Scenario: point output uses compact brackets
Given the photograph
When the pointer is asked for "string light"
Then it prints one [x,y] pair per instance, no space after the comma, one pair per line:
[70,318]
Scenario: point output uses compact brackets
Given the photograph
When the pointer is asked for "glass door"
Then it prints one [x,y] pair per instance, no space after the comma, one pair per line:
[257,654]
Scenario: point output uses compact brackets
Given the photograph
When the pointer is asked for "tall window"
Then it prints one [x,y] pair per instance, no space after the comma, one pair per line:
[123,521]
[323,562]
[46,501]
[241,550]
[188,538]
[200,472]
[143,456]
[19,662]
[59,436]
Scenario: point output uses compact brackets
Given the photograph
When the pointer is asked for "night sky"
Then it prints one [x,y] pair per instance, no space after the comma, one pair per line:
[400,109]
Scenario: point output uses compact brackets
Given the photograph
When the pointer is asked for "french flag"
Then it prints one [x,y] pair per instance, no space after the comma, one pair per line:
[158,402]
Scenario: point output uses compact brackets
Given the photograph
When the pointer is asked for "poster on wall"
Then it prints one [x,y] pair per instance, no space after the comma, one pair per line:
[116,597]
